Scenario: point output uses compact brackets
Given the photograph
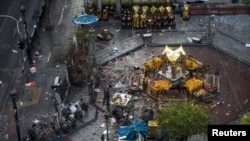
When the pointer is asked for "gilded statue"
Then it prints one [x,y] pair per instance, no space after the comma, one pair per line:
[136,9]
[153,10]
[105,14]
[136,20]
[169,11]
[145,9]
[143,20]
[185,11]
[99,14]
[90,9]
[161,10]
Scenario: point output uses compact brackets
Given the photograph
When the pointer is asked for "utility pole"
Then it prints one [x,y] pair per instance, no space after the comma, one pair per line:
[27,39]
[92,96]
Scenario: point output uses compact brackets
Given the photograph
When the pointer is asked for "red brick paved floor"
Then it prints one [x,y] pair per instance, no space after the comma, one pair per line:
[234,98]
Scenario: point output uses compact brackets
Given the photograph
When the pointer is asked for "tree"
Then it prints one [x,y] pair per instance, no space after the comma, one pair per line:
[245,120]
[245,1]
[184,119]
[82,37]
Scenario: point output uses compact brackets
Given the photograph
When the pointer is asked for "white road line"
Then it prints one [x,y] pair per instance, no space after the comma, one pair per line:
[49,57]
[61,17]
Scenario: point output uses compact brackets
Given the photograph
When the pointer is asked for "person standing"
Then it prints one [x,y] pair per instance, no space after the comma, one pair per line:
[84,106]
[78,114]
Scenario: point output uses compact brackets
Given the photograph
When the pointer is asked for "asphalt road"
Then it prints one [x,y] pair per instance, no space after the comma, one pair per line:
[11,57]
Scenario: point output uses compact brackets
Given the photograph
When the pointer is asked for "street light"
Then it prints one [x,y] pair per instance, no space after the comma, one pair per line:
[106,116]
[23,11]
[28,50]
[35,33]
[13,93]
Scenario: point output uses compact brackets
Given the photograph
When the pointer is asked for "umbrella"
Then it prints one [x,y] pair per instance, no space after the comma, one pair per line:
[134,127]
[85,19]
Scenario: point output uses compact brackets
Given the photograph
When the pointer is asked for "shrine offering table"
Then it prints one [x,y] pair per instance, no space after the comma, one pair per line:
[120,99]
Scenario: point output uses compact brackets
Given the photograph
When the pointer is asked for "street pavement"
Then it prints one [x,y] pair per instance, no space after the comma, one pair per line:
[230,36]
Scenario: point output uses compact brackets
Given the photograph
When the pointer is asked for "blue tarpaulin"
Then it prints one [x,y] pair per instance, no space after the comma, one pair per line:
[85,19]
[134,127]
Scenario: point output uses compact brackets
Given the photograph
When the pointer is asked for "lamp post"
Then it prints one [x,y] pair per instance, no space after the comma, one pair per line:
[28,50]
[106,116]
[35,33]
[13,93]
[23,11]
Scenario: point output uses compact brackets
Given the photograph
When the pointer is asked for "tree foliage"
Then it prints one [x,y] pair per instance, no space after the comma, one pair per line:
[245,120]
[82,34]
[245,1]
[184,119]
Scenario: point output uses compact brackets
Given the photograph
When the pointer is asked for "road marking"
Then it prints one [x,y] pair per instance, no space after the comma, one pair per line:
[61,17]
[49,57]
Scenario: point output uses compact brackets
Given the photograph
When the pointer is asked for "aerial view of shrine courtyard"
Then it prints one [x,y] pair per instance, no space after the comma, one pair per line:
[183,85]
[160,91]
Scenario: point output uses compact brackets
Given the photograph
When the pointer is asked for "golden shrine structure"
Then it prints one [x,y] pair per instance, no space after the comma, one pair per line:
[175,75]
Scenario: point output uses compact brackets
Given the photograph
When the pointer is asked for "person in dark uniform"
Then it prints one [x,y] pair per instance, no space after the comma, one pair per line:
[65,127]
[32,134]
[66,112]
[78,114]
[84,105]
[106,97]
[102,137]
[72,120]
